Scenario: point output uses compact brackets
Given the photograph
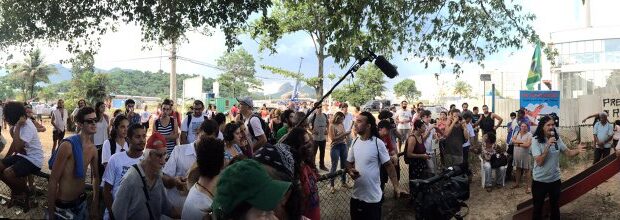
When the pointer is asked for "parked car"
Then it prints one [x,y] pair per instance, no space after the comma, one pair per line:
[46,110]
[435,110]
[376,105]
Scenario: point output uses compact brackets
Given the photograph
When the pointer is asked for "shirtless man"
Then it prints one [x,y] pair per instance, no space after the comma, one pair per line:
[66,198]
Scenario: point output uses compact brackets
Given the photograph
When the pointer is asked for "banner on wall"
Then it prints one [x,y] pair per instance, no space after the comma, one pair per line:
[611,105]
[538,103]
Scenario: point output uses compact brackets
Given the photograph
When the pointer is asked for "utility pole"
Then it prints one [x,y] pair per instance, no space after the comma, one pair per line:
[173,72]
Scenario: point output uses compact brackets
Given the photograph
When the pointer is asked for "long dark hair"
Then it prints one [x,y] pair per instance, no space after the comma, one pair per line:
[539,134]
[296,140]
[370,119]
[99,115]
[117,122]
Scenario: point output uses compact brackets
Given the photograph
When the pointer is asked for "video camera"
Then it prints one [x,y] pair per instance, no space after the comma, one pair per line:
[441,196]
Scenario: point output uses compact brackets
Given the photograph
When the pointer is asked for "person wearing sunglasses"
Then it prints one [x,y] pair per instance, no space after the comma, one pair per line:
[141,194]
[66,195]
[24,157]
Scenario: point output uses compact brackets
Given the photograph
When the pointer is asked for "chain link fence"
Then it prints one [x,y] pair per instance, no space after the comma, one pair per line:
[333,205]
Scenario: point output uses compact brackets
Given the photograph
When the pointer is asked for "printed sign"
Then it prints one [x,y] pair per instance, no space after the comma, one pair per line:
[611,105]
[538,103]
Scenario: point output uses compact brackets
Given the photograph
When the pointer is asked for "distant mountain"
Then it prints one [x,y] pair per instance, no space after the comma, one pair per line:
[305,91]
[63,74]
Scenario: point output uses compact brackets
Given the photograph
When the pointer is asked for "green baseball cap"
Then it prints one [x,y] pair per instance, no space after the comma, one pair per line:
[247,181]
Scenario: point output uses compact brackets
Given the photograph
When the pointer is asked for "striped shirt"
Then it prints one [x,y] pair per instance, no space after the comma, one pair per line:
[166,130]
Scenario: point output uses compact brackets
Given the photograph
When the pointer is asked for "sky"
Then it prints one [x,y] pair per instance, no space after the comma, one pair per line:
[123,49]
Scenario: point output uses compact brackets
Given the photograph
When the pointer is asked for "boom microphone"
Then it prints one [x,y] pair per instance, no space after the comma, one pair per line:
[384,65]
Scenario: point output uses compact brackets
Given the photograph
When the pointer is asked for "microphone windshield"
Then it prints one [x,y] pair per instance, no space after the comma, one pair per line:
[386,67]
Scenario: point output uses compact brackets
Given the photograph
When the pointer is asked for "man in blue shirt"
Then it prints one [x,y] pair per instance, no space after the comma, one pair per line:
[603,136]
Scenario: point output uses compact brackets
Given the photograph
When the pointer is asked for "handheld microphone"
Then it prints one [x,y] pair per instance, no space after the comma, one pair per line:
[556,139]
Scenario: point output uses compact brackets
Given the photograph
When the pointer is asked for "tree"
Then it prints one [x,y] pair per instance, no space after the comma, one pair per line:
[238,78]
[82,22]
[431,31]
[6,88]
[32,71]
[370,78]
[407,89]
[85,83]
[462,88]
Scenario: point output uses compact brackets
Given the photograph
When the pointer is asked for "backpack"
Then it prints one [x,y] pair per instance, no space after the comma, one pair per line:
[189,119]
[487,123]
[268,134]
[112,146]
[314,118]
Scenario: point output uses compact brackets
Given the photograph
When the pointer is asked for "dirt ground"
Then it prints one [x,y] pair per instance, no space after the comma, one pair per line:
[600,203]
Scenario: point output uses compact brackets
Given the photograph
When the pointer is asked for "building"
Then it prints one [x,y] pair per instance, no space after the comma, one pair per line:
[588,61]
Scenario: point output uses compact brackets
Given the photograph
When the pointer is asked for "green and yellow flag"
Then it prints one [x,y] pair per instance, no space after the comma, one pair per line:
[535,73]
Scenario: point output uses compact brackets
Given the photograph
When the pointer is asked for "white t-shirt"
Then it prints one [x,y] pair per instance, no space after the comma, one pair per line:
[616,132]
[220,136]
[102,131]
[367,156]
[39,108]
[144,116]
[180,161]
[115,170]
[105,150]
[196,204]
[470,130]
[403,115]
[254,122]
[60,118]
[34,152]
[347,122]
[428,143]
[192,131]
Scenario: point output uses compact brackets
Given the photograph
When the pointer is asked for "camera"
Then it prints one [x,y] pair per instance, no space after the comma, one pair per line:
[441,196]
[433,121]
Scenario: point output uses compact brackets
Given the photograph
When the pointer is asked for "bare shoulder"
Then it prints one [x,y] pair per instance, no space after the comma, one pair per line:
[64,149]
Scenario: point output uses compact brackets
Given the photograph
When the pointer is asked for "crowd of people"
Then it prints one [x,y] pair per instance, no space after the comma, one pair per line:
[243,164]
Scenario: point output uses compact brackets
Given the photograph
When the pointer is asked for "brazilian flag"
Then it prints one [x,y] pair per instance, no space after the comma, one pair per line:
[535,73]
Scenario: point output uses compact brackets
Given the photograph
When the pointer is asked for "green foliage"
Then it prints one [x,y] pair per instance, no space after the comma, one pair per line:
[26,75]
[6,88]
[407,89]
[462,88]
[82,22]
[370,78]
[138,83]
[238,77]
[431,31]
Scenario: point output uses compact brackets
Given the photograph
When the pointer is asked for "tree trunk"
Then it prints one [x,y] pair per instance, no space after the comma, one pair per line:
[320,55]
[32,87]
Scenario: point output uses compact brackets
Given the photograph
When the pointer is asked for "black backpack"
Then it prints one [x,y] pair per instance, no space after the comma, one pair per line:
[314,118]
[112,146]
[189,119]
[268,134]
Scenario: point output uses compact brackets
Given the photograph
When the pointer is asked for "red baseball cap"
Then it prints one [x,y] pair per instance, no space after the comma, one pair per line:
[156,141]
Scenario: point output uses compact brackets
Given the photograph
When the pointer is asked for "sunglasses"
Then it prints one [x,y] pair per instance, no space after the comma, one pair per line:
[91,121]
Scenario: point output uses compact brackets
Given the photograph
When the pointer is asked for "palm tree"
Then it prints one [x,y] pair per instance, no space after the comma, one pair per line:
[462,88]
[31,72]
